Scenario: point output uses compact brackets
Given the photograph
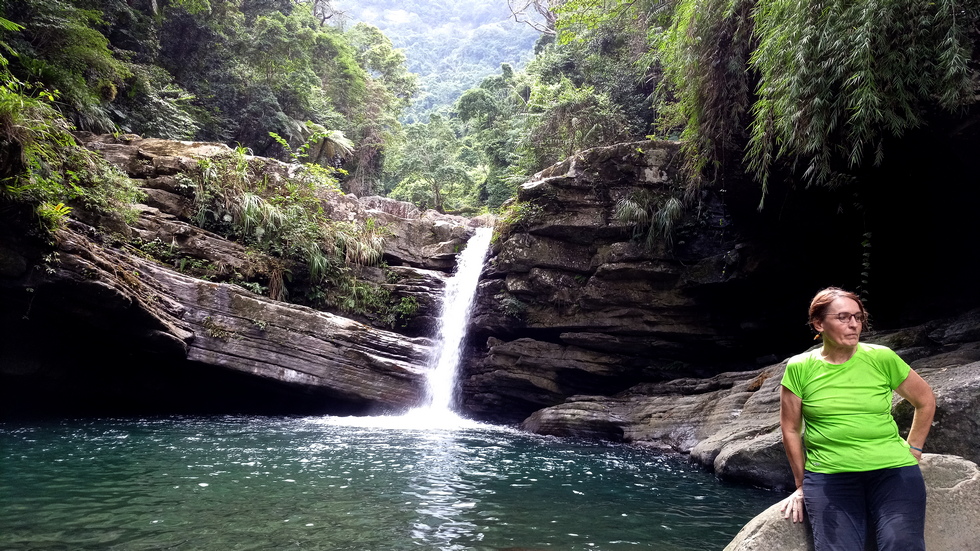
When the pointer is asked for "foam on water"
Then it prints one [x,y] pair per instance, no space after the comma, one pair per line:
[457,305]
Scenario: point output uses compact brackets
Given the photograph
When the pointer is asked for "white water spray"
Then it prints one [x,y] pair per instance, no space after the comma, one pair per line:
[457,302]
[456,306]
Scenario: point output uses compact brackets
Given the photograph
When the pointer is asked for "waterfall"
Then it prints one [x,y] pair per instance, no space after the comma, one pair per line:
[456,306]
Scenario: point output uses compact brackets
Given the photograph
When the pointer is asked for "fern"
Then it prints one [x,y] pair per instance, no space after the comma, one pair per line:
[652,216]
[704,54]
[832,79]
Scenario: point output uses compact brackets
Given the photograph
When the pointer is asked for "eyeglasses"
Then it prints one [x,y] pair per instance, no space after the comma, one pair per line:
[845,317]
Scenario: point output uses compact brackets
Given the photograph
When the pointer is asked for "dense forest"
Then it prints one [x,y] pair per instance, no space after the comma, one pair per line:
[777,103]
[451,46]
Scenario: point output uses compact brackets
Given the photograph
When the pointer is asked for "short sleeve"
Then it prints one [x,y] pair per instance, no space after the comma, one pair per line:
[792,379]
[893,367]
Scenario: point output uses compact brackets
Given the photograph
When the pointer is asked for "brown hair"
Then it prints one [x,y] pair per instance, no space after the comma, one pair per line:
[821,302]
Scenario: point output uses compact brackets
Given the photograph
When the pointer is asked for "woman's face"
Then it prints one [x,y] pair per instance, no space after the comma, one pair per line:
[844,333]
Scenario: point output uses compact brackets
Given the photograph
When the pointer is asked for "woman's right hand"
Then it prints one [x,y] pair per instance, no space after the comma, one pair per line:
[792,507]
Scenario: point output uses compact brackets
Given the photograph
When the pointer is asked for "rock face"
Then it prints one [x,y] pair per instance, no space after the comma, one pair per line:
[99,297]
[95,320]
[427,240]
[571,303]
[582,331]
[952,513]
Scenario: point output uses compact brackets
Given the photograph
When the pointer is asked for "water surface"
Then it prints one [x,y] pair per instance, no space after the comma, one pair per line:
[237,483]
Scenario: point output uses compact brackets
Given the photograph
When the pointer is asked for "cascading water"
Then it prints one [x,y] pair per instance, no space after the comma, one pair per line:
[456,306]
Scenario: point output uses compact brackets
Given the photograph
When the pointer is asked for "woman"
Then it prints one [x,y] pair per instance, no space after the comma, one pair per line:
[852,468]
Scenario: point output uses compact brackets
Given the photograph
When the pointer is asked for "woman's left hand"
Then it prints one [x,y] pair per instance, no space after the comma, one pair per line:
[792,507]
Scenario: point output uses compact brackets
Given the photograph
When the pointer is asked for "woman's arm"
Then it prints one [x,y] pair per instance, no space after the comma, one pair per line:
[791,423]
[920,395]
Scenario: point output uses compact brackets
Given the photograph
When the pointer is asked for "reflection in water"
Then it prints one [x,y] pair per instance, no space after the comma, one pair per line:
[442,492]
[438,484]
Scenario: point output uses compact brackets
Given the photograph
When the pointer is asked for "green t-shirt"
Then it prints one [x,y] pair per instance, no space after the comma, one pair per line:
[847,420]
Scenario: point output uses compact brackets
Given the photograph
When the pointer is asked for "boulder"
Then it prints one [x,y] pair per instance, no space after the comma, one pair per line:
[952,513]
[956,427]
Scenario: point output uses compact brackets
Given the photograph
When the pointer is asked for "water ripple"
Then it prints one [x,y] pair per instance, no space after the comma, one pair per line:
[334,484]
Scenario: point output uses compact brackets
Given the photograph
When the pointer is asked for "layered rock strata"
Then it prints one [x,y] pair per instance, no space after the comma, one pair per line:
[582,330]
[730,422]
[94,320]
[573,301]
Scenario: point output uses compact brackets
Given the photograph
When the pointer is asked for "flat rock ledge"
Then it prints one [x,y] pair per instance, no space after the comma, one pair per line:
[952,513]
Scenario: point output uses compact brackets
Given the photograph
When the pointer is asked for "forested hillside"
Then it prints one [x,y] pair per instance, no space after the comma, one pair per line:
[451,45]
[223,70]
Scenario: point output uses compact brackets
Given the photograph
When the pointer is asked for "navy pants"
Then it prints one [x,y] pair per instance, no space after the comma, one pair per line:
[888,504]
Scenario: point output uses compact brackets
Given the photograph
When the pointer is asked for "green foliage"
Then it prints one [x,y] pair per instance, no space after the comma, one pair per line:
[157,250]
[42,164]
[354,296]
[221,70]
[450,44]
[831,80]
[429,167]
[322,147]
[703,54]
[53,217]
[59,45]
[652,216]
[154,105]
[169,254]
[286,221]
[591,89]
[580,19]
[836,78]
[511,305]
[566,118]
[516,215]
[384,62]
[403,311]
[31,135]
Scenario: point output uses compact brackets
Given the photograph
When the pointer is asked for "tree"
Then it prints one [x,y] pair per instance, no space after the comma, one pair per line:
[323,10]
[428,169]
[58,46]
[568,118]
[385,63]
[546,10]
